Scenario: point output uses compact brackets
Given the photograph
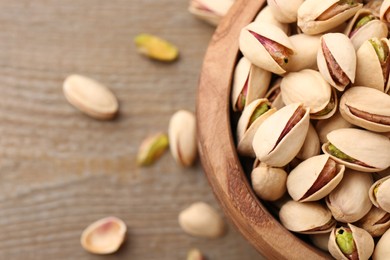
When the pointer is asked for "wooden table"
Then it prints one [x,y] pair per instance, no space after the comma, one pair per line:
[59,169]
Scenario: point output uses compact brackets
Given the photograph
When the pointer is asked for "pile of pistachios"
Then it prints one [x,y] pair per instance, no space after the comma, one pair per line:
[312,96]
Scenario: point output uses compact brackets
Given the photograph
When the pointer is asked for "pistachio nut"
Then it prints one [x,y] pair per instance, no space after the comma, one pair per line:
[366,107]
[274,94]
[249,83]
[285,11]
[350,242]
[315,17]
[380,194]
[266,46]
[279,138]
[251,118]
[182,137]
[320,240]
[269,183]
[310,88]
[375,222]
[384,13]
[358,149]
[266,16]
[382,249]
[314,178]
[364,26]
[373,64]
[305,56]
[306,218]
[156,48]
[210,11]
[311,146]
[324,127]
[336,60]
[349,201]
[152,148]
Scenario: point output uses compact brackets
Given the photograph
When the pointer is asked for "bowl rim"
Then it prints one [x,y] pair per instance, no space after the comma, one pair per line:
[217,148]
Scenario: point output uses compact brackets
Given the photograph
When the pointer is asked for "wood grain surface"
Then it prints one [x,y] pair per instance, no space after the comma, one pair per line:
[59,169]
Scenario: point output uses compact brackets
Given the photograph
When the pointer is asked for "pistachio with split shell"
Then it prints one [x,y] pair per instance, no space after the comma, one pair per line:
[315,17]
[384,11]
[274,95]
[324,127]
[285,11]
[380,194]
[279,138]
[314,178]
[306,218]
[358,149]
[366,107]
[269,183]
[266,46]
[382,248]
[336,60]
[310,88]
[350,242]
[251,118]
[375,222]
[305,56]
[266,16]
[349,201]
[311,147]
[210,11]
[364,26]
[250,82]
[373,64]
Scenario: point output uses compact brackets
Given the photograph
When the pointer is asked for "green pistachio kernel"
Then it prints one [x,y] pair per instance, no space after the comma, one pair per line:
[364,20]
[380,50]
[344,240]
[258,112]
[333,150]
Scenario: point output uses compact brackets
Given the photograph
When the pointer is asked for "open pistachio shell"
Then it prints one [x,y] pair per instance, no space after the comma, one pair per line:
[315,17]
[376,222]
[250,82]
[279,138]
[314,178]
[310,88]
[350,243]
[336,60]
[358,149]
[372,63]
[384,11]
[306,218]
[274,95]
[285,11]
[366,107]
[364,26]
[251,118]
[349,201]
[380,194]
[305,56]
[266,46]
[266,16]
[382,248]
[210,11]
[311,146]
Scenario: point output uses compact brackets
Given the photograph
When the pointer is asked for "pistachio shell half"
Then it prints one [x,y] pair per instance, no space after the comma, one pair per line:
[311,146]
[266,16]
[285,11]
[380,193]
[382,249]
[375,222]
[305,56]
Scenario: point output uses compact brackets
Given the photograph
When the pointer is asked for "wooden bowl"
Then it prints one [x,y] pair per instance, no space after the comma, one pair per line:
[217,148]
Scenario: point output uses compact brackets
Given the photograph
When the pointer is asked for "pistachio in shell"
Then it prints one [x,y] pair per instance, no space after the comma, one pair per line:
[380,194]
[210,11]
[266,16]
[274,94]
[285,11]
[305,56]
[375,222]
[311,147]
[266,46]
[366,107]
[324,127]
[382,248]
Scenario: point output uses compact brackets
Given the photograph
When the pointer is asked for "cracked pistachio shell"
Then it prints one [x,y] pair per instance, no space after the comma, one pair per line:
[373,28]
[342,51]
[310,10]
[306,218]
[305,56]
[382,249]
[349,201]
[372,102]
[384,11]
[255,51]
[363,241]
[285,11]
[369,70]
[251,80]
[310,88]
[266,16]
[380,194]
[269,183]
[182,137]
[311,146]
[324,127]
[376,222]
[308,173]
[210,11]
[246,129]
[274,95]
[265,142]
[368,148]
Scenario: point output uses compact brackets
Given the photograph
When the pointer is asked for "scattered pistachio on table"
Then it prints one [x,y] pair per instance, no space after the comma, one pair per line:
[211,11]
[152,148]
[156,48]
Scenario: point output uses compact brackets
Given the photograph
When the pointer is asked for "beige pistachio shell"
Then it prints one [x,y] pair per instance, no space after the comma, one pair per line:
[309,87]
[375,222]
[382,249]
[342,51]
[349,201]
[265,142]
[311,146]
[269,183]
[324,127]
[374,28]
[246,130]
[370,102]
[369,70]
[266,16]
[250,79]
[274,95]
[384,11]
[285,11]
[252,49]
[363,241]
[310,10]
[305,56]
[380,194]
[320,240]
[306,218]
[210,11]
